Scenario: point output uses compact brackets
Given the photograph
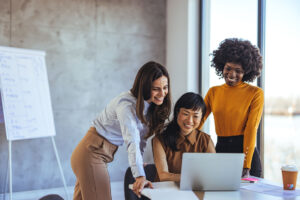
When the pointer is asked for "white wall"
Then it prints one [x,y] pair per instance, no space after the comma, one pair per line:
[182,55]
[182,48]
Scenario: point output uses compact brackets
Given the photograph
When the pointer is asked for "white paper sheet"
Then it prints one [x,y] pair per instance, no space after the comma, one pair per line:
[273,190]
[167,189]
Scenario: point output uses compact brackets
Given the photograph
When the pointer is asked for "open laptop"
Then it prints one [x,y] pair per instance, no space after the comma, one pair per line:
[211,171]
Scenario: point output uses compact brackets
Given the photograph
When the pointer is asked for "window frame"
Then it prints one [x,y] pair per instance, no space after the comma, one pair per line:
[204,39]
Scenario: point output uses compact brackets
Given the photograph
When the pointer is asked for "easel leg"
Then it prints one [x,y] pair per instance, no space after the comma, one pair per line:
[60,168]
[10,170]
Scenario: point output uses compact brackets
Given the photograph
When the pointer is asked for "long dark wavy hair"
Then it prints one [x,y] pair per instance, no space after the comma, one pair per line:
[188,100]
[141,89]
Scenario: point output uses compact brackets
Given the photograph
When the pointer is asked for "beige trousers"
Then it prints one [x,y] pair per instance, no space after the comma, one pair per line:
[89,163]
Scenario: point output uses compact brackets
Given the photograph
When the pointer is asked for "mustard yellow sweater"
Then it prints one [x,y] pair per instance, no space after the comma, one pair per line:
[237,110]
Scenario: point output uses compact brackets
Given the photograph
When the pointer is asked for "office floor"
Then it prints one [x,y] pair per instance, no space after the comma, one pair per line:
[116,189]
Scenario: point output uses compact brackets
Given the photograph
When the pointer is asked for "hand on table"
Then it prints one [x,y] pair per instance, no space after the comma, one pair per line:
[139,184]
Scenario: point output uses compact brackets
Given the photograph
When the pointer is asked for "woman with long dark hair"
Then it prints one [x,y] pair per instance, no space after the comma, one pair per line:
[129,118]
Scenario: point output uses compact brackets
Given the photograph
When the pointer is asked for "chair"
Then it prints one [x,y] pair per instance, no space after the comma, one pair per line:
[151,174]
[51,197]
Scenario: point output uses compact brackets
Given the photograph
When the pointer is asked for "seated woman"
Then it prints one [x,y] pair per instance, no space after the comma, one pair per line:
[181,135]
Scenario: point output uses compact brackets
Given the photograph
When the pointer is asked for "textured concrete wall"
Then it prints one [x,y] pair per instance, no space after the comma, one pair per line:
[94,49]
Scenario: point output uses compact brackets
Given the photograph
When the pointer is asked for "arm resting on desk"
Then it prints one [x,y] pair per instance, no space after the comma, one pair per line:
[161,164]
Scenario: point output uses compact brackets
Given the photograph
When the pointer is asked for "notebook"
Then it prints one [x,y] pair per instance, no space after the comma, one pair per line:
[211,171]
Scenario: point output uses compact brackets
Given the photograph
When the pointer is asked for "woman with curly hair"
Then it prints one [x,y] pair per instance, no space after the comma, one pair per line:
[236,105]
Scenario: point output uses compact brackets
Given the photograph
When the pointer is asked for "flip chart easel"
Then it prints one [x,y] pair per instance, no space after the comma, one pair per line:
[26,100]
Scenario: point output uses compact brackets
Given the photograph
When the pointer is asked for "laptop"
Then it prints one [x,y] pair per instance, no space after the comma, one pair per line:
[211,171]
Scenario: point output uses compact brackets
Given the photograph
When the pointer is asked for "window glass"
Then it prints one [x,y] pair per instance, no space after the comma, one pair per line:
[230,18]
[282,93]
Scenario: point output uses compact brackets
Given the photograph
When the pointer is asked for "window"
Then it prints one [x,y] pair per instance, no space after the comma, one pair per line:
[282,93]
[234,18]
[230,18]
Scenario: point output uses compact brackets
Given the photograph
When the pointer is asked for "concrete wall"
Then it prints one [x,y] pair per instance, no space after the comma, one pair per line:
[94,49]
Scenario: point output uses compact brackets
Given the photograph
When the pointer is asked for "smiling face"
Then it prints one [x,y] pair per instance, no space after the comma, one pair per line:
[159,90]
[233,73]
[188,120]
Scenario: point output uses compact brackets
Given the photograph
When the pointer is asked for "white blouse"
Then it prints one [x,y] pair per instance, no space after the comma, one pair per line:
[118,123]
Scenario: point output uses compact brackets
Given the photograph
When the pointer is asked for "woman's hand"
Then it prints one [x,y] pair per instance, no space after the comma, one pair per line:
[139,184]
[246,173]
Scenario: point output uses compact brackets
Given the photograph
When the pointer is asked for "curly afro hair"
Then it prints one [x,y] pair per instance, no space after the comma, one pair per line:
[241,52]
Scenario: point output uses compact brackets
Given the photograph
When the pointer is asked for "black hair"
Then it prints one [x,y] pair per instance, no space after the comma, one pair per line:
[241,52]
[188,100]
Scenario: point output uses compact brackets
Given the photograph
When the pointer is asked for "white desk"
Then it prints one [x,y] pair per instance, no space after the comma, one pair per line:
[170,190]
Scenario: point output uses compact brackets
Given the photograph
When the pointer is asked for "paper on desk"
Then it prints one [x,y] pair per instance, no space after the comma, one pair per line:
[174,195]
[271,190]
[167,190]
[260,187]
[284,193]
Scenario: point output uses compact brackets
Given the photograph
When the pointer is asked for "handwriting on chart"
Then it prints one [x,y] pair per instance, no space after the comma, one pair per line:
[26,98]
